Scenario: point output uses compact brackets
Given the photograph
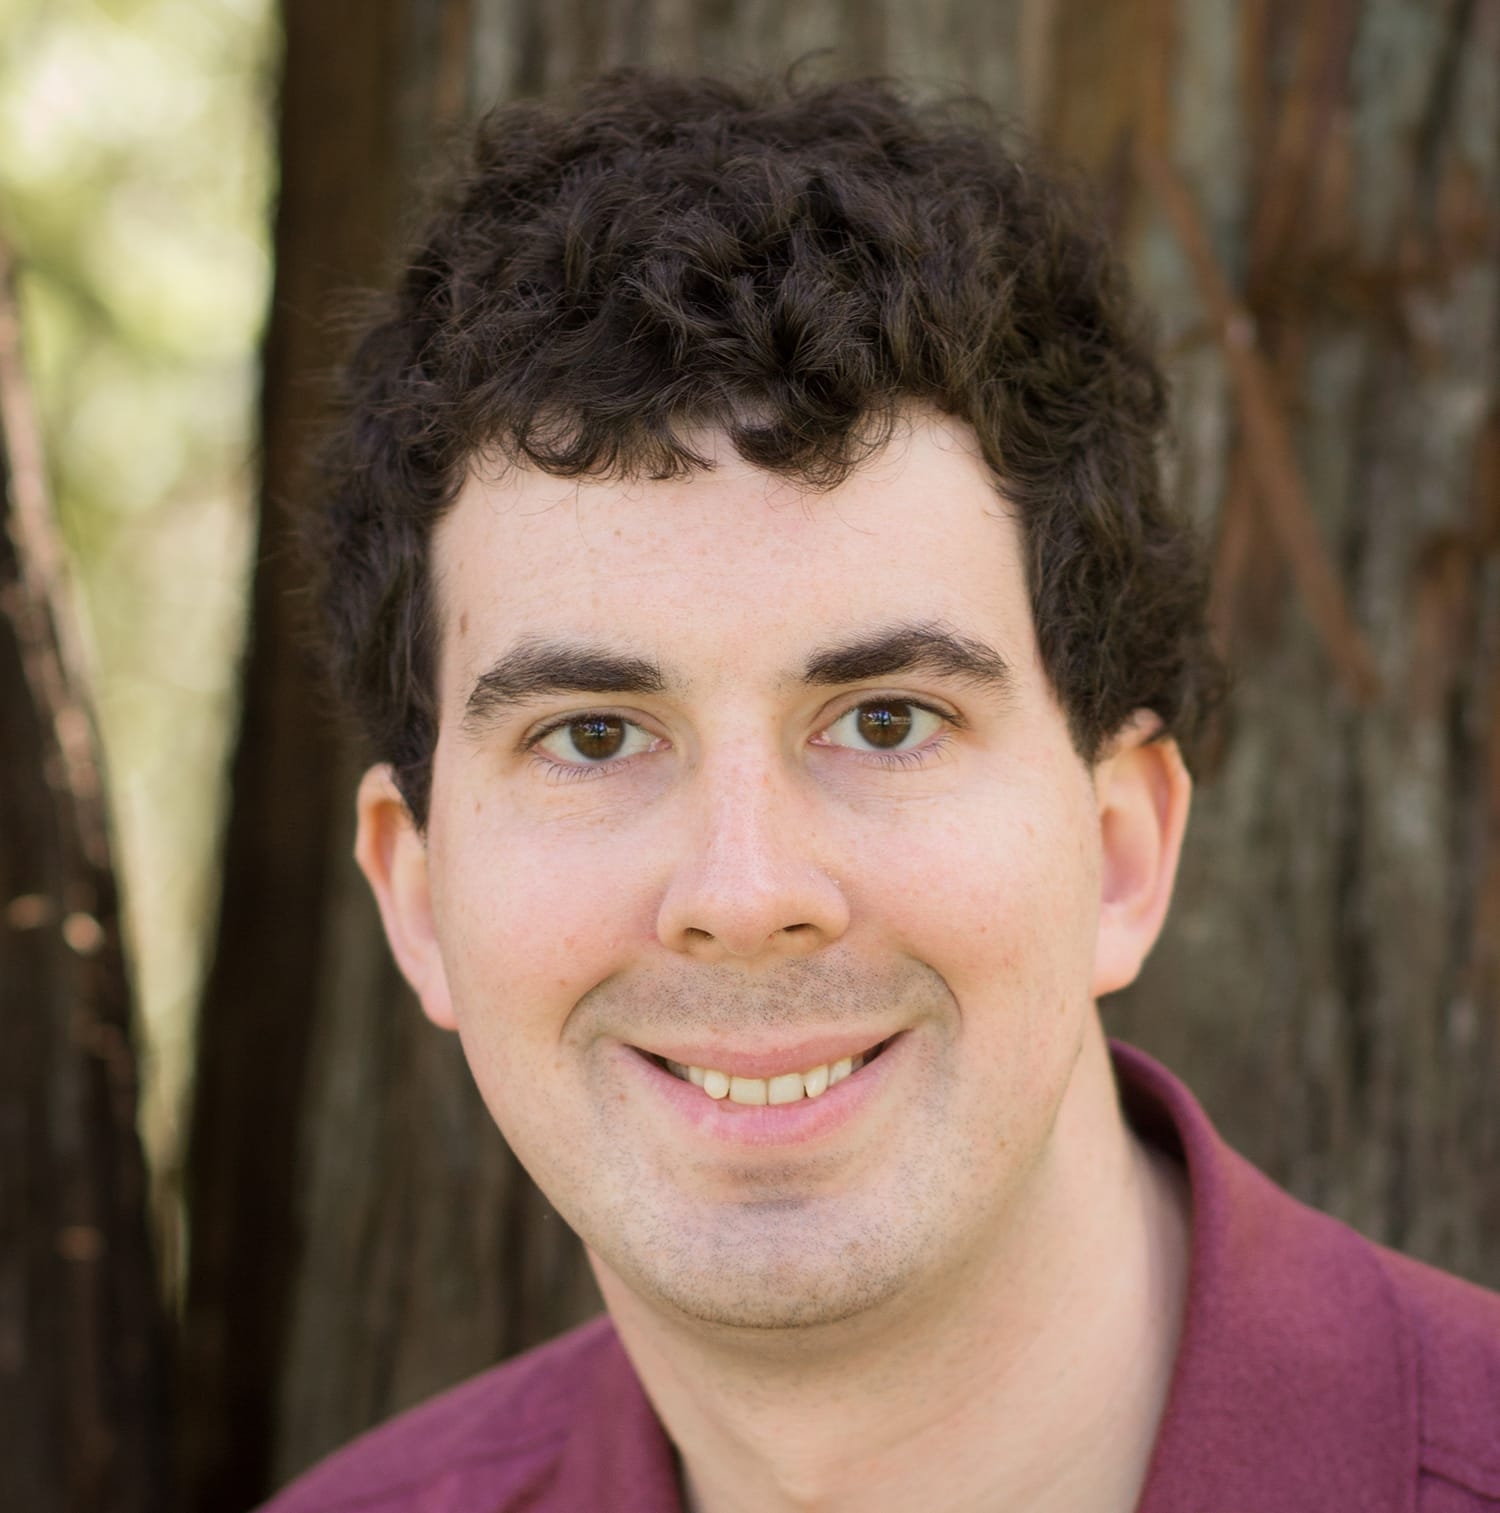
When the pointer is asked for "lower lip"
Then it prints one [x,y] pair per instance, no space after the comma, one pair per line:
[771,1124]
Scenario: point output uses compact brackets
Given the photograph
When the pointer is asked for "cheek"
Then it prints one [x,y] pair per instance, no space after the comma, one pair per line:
[1005,892]
[531,929]
[529,923]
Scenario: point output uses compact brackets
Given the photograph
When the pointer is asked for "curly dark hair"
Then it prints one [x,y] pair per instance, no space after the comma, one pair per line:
[791,264]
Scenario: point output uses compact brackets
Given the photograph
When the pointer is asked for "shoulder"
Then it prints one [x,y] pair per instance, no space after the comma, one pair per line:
[1315,1368]
[1454,1329]
[491,1443]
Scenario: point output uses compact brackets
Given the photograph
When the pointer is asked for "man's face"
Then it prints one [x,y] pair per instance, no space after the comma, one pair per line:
[745,778]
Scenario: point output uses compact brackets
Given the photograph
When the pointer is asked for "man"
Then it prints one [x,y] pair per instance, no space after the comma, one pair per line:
[745,548]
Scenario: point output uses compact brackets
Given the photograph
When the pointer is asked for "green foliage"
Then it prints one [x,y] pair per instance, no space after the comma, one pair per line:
[135,167]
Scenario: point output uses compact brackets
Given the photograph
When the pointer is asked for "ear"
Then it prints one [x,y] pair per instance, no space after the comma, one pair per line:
[1144,792]
[392,854]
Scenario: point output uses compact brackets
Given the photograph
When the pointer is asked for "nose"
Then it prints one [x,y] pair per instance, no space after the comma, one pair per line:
[747,882]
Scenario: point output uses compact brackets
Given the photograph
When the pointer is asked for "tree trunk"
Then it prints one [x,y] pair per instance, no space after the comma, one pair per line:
[1328,984]
[82,1426]
[265,990]
[1307,196]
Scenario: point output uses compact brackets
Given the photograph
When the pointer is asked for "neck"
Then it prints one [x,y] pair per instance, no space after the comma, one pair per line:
[1035,1380]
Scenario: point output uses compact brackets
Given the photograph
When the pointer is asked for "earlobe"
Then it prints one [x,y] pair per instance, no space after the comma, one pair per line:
[392,854]
[1144,793]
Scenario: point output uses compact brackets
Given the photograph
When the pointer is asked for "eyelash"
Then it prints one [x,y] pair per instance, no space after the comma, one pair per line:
[569,772]
[919,755]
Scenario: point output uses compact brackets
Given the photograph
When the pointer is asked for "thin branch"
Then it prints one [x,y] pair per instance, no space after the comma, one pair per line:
[45,627]
[1268,437]
[1306,118]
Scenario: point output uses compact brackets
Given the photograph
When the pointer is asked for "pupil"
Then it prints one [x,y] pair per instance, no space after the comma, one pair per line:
[885,724]
[599,737]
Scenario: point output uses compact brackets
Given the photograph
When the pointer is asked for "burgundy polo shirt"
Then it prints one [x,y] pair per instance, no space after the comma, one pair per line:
[1316,1372]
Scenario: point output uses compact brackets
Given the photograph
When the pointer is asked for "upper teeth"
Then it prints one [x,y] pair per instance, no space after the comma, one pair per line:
[785,1088]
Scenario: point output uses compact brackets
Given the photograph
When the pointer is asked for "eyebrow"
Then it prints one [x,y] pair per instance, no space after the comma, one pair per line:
[928,646]
[537,669]
[543,669]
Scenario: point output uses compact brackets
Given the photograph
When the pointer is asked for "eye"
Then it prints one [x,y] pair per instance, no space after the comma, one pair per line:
[884,725]
[592,739]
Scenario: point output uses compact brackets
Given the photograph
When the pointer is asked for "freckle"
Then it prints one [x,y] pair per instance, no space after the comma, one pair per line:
[478,806]
[463,623]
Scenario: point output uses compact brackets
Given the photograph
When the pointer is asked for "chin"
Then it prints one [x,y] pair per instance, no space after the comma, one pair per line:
[757,1308]
[774,1280]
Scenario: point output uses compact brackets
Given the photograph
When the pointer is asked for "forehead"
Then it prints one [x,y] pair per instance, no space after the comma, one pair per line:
[731,565]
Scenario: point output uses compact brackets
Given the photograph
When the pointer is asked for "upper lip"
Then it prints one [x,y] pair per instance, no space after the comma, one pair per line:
[790,1056]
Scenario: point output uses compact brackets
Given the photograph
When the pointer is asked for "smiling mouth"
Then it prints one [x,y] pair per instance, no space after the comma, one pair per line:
[785,1087]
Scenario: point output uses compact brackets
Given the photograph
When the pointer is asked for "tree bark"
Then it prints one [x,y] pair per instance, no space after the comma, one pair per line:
[1307,195]
[264,991]
[82,1378]
[1328,983]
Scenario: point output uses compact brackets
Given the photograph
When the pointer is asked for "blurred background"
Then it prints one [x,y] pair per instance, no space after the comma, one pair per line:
[249,1202]
[136,171]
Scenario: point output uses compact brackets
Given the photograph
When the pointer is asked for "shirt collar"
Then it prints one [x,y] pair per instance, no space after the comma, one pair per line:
[1295,1381]
[617,1455]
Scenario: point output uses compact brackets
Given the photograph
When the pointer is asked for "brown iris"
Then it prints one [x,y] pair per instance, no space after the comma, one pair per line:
[597,737]
[884,725]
